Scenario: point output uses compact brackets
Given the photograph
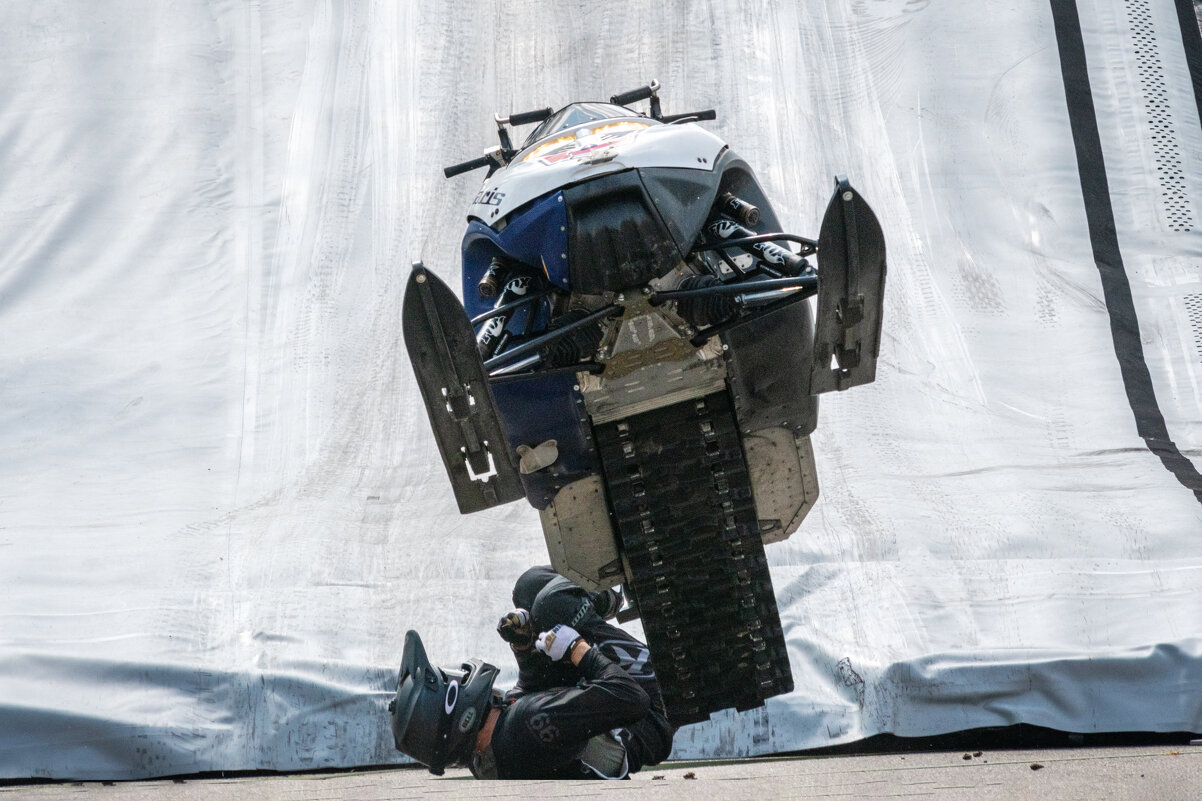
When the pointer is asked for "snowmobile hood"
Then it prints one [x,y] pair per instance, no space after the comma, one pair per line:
[588,151]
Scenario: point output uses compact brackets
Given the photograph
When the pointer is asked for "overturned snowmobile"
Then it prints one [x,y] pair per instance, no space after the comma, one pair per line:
[638,358]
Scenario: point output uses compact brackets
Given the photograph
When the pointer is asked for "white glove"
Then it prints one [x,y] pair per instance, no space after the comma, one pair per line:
[557,643]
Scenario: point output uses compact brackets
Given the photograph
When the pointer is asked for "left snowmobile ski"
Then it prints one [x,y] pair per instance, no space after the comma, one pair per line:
[442,347]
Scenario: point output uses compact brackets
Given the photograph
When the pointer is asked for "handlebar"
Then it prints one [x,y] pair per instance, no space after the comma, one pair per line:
[708,114]
[500,156]
[635,95]
[466,166]
[525,117]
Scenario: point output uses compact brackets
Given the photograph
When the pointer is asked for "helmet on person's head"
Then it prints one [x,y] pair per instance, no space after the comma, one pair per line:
[437,712]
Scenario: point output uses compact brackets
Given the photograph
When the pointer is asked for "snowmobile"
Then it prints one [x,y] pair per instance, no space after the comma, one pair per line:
[638,355]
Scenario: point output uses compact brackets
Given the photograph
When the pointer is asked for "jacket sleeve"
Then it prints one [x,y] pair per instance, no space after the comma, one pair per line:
[628,699]
[537,672]
[607,699]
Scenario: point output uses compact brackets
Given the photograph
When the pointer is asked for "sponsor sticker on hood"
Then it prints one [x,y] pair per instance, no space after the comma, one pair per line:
[583,144]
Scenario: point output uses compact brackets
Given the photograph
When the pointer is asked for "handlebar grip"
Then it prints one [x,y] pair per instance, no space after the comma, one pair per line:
[466,166]
[538,115]
[633,96]
[707,114]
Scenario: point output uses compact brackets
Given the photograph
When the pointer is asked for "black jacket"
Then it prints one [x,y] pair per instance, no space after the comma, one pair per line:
[540,735]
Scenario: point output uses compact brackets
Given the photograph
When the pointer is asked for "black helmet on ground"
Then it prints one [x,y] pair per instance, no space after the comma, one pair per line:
[437,712]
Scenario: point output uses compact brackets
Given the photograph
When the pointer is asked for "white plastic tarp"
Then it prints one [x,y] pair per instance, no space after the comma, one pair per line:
[221,507]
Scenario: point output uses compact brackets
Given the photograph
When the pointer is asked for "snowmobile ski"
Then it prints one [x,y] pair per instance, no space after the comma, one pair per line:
[442,348]
[851,293]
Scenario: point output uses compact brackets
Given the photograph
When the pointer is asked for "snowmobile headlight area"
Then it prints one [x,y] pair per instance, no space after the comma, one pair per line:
[576,114]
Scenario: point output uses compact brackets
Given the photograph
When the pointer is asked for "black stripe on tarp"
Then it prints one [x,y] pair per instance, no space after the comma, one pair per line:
[1187,19]
[1116,288]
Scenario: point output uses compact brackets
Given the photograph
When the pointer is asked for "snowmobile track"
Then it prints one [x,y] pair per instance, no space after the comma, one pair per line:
[681,494]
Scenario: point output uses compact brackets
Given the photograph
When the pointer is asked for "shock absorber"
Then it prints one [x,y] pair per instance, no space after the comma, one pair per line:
[722,227]
[738,209]
[490,282]
[491,338]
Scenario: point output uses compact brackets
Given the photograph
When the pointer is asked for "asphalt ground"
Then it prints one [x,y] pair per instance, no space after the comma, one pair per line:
[1160,772]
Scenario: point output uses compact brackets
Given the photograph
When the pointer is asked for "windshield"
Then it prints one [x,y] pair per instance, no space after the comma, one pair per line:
[576,114]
